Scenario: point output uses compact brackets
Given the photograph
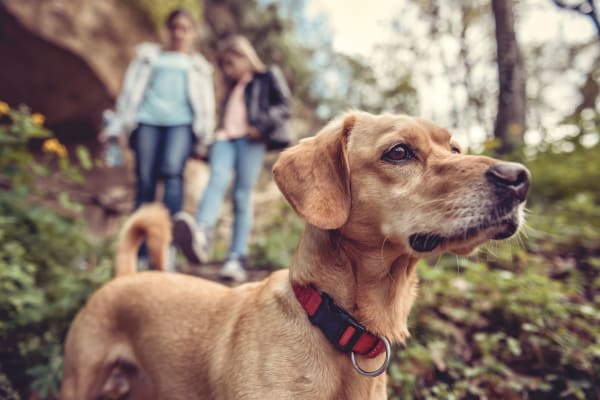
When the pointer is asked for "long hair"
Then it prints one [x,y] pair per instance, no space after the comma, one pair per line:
[240,46]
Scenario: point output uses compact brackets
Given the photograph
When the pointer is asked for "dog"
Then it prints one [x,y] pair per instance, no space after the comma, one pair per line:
[151,222]
[377,193]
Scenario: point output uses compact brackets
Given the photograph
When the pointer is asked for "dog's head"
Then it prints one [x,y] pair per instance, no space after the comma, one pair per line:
[403,181]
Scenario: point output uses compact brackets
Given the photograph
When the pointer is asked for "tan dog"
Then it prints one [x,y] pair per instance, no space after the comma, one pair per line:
[151,223]
[377,192]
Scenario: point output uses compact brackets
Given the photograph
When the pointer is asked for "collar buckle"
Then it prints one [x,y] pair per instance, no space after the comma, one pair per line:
[337,324]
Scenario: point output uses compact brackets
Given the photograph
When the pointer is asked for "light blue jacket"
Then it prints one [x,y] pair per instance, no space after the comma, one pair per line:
[201,95]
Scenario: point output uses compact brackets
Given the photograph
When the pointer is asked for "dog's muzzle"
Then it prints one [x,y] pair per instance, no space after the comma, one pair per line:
[510,184]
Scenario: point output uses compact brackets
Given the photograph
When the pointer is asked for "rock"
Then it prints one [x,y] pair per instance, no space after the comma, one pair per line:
[66,59]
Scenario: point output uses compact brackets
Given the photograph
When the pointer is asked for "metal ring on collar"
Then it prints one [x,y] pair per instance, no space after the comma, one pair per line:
[380,370]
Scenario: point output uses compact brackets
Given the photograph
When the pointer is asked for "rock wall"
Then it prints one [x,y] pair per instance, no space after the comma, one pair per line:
[66,58]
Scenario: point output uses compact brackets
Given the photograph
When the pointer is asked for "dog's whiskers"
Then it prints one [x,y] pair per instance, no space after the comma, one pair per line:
[457,265]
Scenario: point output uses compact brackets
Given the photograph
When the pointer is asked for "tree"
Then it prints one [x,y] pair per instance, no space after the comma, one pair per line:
[510,120]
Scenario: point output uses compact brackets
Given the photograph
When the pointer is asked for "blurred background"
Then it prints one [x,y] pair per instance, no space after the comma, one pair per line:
[516,79]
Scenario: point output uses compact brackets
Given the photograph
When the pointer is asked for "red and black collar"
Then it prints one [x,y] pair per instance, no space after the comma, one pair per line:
[340,328]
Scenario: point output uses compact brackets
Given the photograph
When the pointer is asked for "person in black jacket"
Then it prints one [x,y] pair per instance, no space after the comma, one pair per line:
[253,120]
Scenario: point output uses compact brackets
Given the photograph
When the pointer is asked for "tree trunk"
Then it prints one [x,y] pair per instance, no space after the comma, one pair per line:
[510,121]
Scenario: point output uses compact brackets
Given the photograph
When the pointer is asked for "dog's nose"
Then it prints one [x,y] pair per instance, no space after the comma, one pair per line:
[510,176]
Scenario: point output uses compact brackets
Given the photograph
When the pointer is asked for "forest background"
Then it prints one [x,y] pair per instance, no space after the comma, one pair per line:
[516,79]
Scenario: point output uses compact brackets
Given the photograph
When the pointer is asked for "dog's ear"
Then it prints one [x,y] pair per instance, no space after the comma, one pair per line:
[314,175]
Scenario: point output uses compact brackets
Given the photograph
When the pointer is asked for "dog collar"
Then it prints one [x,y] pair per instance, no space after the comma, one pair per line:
[341,328]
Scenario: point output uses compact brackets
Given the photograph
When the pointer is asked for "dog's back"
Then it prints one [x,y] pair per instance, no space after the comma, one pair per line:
[110,370]
[151,223]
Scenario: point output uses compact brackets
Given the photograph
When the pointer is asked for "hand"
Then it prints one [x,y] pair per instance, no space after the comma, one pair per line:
[105,139]
[253,133]
[201,152]
[198,156]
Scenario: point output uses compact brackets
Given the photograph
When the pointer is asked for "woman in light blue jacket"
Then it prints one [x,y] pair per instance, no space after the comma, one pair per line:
[167,107]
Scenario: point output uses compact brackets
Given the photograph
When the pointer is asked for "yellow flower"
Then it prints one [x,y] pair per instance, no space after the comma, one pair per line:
[38,119]
[54,146]
[4,108]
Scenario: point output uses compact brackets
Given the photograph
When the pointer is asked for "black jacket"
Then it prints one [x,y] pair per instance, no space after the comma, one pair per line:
[267,99]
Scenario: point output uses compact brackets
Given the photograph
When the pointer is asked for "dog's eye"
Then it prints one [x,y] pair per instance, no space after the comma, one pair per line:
[397,153]
[455,150]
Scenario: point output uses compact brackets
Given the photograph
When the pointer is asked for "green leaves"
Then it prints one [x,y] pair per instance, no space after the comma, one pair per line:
[20,130]
[40,285]
[41,288]
[503,328]
[277,238]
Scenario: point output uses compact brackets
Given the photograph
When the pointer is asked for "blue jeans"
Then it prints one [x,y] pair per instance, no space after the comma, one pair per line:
[161,153]
[245,158]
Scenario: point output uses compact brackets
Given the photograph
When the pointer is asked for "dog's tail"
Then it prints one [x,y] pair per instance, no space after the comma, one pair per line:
[150,223]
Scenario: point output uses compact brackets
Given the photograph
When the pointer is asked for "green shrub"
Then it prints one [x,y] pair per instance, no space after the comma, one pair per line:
[274,246]
[489,332]
[7,392]
[47,270]
[48,267]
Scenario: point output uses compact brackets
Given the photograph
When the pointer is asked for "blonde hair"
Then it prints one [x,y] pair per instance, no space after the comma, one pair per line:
[241,46]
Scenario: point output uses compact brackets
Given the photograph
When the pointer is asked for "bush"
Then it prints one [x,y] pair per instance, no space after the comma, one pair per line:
[274,246]
[47,265]
[47,270]
[490,332]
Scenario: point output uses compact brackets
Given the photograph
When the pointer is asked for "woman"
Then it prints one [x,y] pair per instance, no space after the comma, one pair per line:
[167,104]
[253,119]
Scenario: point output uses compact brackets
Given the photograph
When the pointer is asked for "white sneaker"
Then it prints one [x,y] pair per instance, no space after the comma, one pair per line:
[193,242]
[233,270]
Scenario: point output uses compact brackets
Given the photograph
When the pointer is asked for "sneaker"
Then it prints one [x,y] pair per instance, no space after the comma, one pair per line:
[233,270]
[192,241]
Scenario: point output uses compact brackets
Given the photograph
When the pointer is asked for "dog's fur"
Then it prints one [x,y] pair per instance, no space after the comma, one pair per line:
[169,336]
[151,223]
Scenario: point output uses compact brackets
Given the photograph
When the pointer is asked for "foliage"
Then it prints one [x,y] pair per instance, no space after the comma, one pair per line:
[274,246]
[359,86]
[272,35]
[47,265]
[19,167]
[6,390]
[17,128]
[47,270]
[158,11]
[507,330]
[323,79]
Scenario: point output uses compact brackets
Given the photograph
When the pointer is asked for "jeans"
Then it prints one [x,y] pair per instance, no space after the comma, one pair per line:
[245,158]
[161,153]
